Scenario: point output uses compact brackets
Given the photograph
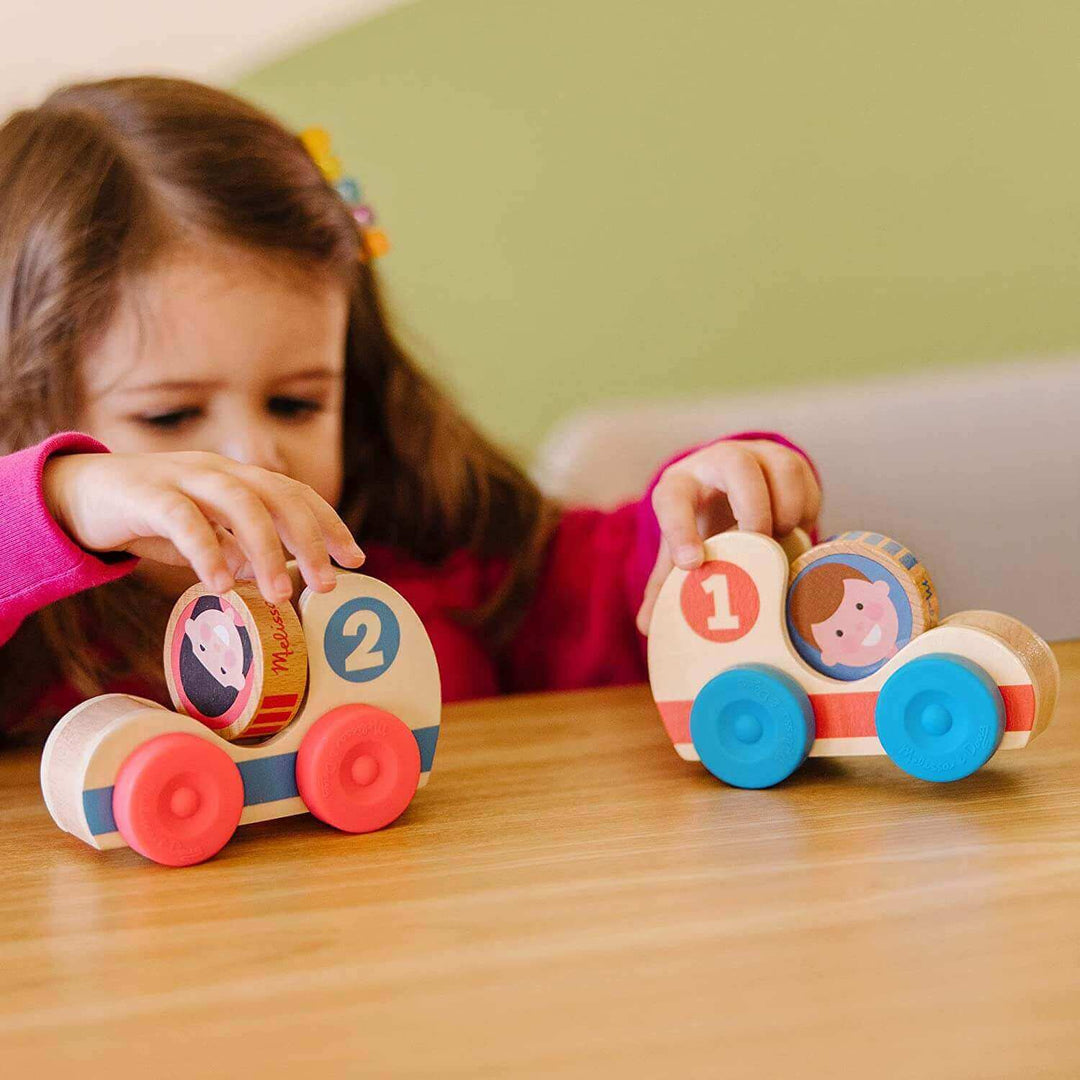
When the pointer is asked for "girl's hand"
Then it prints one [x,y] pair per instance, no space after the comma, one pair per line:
[759,485]
[224,519]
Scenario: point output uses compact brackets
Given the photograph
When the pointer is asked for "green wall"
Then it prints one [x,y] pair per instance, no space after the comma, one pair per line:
[593,198]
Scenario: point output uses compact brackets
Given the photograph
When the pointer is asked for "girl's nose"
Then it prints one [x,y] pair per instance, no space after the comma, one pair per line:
[254,448]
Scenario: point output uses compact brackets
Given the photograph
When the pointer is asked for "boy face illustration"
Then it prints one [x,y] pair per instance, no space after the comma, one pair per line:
[863,628]
[215,641]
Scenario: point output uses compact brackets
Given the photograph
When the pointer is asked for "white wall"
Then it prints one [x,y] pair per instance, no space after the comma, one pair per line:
[974,468]
[43,44]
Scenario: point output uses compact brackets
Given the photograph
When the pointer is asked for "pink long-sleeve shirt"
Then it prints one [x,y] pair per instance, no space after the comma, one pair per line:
[579,629]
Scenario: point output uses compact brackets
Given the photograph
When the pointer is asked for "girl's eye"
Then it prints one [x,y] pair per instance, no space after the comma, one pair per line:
[858,607]
[288,408]
[839,633]
[169,421]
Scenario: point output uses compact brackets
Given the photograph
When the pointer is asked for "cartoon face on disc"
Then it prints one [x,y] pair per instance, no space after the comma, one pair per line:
[213,661]
[216,644]
[862,630]
[235,662]
[847,616]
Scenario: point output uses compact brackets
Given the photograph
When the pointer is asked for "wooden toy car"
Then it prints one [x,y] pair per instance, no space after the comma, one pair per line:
[119,770]
[751,676]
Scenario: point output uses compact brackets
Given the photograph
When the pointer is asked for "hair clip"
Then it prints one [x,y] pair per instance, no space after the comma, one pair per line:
[373,241]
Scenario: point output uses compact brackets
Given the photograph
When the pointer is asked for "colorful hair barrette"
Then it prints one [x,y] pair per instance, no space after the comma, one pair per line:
[373,241]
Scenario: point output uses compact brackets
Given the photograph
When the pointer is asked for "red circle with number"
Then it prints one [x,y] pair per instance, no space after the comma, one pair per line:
[720,601]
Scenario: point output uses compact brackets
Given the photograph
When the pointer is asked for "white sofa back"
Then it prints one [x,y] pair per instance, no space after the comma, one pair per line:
[977,469]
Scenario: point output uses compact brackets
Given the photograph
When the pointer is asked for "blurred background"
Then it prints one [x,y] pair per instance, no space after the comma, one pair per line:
[618,228]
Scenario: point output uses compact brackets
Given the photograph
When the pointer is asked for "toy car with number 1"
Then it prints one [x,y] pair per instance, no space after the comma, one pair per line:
[767,654]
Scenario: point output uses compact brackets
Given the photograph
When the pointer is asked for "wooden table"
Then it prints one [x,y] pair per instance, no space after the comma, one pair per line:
[568,897]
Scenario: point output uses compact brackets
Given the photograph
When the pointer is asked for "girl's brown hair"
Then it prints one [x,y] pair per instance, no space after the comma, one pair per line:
[97,183]
[817,595]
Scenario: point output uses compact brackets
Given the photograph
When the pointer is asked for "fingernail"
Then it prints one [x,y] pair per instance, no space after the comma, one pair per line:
[283,586]
[328,577]
[223,582]
[687,555]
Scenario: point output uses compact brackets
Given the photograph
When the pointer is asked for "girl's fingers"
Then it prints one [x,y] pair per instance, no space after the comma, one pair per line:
[732,470]
[340,541]
[179,520]
[736,471]
[786,475]
[228,520]
[161,550]
[229,502]
[157,549]
[304,538]
[812,507]
[312,529]
[769,489]
[675,500]
[238,563]
[661,568]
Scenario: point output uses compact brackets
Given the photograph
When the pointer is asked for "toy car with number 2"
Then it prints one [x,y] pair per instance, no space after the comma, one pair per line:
[330,706]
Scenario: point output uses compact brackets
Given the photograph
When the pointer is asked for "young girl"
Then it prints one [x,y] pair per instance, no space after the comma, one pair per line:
[181,286]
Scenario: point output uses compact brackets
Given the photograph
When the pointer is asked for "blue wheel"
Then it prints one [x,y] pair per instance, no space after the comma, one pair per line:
[940,717]
[752,726]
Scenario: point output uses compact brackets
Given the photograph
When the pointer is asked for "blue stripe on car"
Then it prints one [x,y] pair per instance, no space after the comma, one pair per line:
[426,738]
[97,806]
[268,779]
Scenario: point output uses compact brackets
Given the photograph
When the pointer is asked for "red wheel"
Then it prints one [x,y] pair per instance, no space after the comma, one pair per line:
[357,768]
[177,799]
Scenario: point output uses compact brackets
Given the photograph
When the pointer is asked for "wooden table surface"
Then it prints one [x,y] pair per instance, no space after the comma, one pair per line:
[568,897]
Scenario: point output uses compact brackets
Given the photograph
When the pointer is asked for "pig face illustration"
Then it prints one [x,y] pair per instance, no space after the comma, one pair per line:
[216,644]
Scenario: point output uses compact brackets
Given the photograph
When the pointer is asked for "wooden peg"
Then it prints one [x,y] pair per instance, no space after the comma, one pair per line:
[1030,649]
[796,543]
[235,662]
[855,601]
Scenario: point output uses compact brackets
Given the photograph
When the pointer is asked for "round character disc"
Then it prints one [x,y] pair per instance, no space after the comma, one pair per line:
[235,662]
[855,601]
